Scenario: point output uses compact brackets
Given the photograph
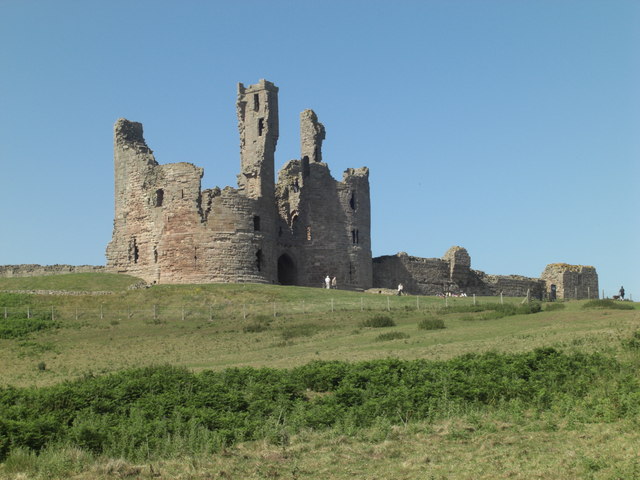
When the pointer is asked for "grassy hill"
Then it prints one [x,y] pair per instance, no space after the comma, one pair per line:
[46,340]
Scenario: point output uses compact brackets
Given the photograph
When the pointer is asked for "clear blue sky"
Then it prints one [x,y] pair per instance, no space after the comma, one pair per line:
[511,128]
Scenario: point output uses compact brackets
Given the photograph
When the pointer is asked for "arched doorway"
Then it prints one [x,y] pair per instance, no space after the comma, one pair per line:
[287,274]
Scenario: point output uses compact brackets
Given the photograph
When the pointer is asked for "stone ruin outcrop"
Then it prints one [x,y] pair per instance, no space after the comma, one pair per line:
[571,281]
[295,231]
[453,274]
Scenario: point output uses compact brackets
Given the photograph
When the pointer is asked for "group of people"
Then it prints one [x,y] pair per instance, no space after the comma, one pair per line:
[330,282]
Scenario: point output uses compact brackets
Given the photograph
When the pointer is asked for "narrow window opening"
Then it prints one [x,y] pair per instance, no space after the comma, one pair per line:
[181,193]
[308,234]
[134,252]
[354,237]
[296,186]
[256,223]
[352,201]
[159,197]
[350,272]
[259,260]
[155,254]
[195,256]
[256,102]
[260,126]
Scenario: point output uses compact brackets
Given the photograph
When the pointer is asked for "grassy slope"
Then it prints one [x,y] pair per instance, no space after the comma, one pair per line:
[87,282]
[462,447]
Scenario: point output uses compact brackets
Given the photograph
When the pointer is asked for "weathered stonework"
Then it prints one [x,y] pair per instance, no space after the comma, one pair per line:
[450,274]
[33,270]
[571,281]
[294,232]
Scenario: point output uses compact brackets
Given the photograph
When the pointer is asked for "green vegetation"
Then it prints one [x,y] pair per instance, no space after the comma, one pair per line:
[81,282]
[379,321]
[554,306]
[132,414]
[431,323]
[261,381]
[609,303]
[383,337]
[22,327]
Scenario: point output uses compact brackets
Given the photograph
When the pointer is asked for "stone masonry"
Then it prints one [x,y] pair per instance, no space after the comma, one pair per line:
[453,274]
[571,281]
[294,231]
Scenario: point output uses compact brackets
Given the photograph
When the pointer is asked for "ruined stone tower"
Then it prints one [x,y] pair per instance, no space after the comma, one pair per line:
[296,231]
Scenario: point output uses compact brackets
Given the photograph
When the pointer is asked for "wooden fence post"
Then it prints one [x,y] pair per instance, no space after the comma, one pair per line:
[388,306]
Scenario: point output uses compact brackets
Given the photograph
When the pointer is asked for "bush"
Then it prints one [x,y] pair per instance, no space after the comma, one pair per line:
[553,306]
[148,413]
[608,303]
[383,337]
[633,342]
[379,321]
[21,327]
[260,324]
[431,323]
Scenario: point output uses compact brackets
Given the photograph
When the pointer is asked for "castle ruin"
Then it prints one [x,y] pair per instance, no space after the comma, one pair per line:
[294,231]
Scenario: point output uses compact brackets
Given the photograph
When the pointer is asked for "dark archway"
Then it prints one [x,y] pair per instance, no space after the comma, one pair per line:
[287,273]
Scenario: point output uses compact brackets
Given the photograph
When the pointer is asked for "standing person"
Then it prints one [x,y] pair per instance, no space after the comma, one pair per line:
[334,283]
[400,289]
[327,282]
[622,293]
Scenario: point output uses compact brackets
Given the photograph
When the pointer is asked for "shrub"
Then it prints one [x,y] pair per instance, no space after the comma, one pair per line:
[431,323]
[260,324]
[379,321]
[633,342]
[553,306]
[383,337]
[608,303]
[21,327]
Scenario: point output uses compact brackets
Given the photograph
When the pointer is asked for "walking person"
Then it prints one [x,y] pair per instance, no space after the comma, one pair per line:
[327,282]
[334,283]
[622,293]
[400,289]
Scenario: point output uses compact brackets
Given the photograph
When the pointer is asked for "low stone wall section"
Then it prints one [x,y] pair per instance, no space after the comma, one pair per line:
[33,270]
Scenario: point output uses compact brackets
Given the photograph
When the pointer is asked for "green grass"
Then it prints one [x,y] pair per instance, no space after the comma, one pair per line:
[217,327]
[87,282]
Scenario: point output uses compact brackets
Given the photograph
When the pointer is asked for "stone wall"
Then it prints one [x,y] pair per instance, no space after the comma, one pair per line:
[33,270]
[296,231]
[571,281]
[449,274]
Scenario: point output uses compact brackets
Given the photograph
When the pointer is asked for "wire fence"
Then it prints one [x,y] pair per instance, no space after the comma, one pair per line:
[233,310]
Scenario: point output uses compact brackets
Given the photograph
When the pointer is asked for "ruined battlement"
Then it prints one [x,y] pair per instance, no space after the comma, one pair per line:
[167,229]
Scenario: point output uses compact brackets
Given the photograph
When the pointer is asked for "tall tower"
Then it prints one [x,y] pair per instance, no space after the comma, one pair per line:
[257,108]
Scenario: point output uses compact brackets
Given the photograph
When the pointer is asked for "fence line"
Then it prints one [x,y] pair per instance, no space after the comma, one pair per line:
[231,310]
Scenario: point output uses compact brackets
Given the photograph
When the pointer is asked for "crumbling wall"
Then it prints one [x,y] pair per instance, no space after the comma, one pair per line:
[571,281]
[422,276]
[168,230]
[449,274]
[33,270]
[324,224]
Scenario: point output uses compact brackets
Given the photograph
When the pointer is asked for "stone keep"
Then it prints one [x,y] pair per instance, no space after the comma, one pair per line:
[294,231]
[571,281]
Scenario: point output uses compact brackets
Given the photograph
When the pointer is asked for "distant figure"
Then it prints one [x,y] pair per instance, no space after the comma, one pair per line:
[621,293]
[327,282]
[334,283]
[400,289]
